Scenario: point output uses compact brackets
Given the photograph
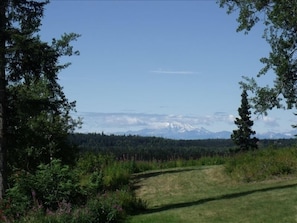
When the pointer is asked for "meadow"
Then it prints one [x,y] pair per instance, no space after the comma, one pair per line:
[254,187]
[207,194]
[257,186]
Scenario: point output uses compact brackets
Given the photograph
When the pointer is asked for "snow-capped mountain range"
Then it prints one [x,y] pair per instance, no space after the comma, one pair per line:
[168,126]
[180,131]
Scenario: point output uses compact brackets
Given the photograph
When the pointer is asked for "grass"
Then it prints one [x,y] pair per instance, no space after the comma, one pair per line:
[208,194]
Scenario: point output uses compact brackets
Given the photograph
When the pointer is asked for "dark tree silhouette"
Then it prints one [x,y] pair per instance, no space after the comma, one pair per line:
[242,136]
[34,111]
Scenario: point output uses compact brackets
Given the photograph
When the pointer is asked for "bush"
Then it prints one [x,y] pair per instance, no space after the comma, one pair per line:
[55,193]
[129,202]
[261,165]
[215,160]
[50,186]
[55,183]
[92,183]
[116,175]
[103,172]
[91,162]
[110,207]
[105,208]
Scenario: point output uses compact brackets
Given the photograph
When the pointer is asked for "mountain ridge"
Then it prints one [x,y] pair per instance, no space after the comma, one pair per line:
[173,131]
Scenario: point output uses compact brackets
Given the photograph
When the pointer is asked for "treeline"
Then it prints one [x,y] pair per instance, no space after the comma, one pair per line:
[157,148]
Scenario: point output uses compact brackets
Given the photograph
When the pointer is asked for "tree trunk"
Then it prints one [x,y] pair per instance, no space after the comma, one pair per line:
[3,182]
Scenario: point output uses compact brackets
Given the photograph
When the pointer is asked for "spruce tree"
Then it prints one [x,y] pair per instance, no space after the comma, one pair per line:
[34,112]
[242,136]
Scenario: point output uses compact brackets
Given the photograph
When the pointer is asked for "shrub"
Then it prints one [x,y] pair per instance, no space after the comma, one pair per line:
[215,160]
[105,208]
[55,193]
[91,162]
[18,199]
[141,166]
[116,175]
[103,172]
[261,165]
[55,183]
[110,207]
[50,186]
[91,184]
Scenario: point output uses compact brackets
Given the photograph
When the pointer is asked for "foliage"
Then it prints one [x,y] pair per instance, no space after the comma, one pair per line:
[104,208]
[216,160]
[142,166]
[103,172]
[279,19]
[54,183]
[138,148]
[39,114]
[61,193]
[36,111]
[154,150]
[108,207]
[112,207]
[263,164]
[242,136]
[116,175]
[51,185]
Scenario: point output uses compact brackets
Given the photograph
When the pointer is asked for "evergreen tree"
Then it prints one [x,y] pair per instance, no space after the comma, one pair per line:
[242,136]
[34,112]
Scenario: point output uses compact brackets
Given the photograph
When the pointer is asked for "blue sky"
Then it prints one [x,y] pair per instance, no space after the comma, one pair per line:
[148,63]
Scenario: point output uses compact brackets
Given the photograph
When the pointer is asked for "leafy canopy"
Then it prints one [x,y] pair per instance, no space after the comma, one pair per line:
[279,18]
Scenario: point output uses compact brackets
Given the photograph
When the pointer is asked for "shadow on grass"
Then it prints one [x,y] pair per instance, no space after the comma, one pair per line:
[138,177]
[162,172]
[217,198]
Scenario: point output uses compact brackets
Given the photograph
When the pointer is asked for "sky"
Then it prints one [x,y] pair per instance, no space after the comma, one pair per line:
[147,63]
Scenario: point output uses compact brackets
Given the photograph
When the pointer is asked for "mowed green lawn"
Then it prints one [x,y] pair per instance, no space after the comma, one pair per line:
[207,194]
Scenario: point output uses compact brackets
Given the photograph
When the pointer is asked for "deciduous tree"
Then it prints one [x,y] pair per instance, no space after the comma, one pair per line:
[279,18]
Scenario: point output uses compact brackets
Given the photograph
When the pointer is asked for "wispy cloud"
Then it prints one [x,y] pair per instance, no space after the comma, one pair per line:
[180,72]
[269,121]
[223,117]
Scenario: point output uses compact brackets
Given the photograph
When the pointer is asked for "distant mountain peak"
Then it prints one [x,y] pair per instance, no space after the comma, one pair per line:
[176,130]
[180,127]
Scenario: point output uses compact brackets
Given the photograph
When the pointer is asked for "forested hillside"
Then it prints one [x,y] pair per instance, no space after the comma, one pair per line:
[149,148]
